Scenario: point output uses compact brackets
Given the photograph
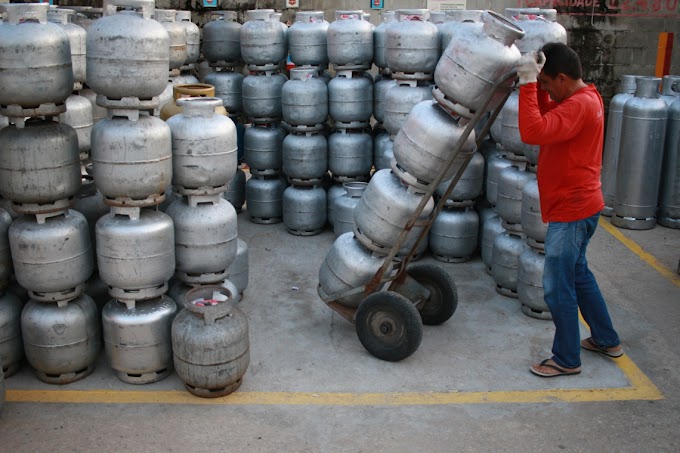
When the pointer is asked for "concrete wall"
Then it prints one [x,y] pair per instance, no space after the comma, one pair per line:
[613,37]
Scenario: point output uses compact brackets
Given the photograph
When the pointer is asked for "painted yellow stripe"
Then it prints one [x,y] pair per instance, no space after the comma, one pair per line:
[639,251]
[641,388]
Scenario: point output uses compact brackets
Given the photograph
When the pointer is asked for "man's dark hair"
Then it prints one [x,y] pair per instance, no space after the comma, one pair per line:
[561,58]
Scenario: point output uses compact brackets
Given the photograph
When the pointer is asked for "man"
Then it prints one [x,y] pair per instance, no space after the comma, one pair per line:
[565,116]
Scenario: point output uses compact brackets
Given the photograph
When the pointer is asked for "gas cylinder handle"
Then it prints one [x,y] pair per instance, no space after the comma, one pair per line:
[147,7]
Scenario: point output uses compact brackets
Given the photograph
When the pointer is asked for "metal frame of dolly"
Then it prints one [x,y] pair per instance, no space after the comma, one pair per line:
[405,292]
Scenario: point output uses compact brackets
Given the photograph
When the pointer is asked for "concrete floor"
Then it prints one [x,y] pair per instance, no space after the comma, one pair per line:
[311,386]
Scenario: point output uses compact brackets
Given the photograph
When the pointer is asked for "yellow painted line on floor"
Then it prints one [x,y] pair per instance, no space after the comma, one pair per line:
[641,388]
[639,251]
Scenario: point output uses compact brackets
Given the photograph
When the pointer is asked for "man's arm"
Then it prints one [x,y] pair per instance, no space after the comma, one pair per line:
[559,123]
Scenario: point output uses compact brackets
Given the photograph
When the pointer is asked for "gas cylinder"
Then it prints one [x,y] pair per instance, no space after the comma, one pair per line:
[137,66]
[307,39]
[211,348]
[638,174]
[350,40]
[453,236]
[61,339]
[137,338]
[204,147]
[264,198]
[263,41]
[304,210]
[205,237]
[612,141]
[347,266]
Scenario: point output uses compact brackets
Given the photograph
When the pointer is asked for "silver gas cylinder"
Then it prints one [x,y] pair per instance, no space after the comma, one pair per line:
[510,185]
[670,89]
[343,218]
[262,96]
[52,254]
[424,142]
[39,165]
[210,343]
[263,41]
[61,339]
[205,237]
[348,265]
[263,144]
[90,203]
[98,113]
[228,87]
[6,205]
[239,270]
[222,38]
[507,248]
[510,137]
[532,223]
[5,253]
[383,151]
[669,199]
[44,72]
[304,98]
[304,210]
[350,99]
[383,211]
[495,54]
[380,37]
[305,157]
[493,173]
[264,199]
[381,87]
[400,100]
[137,338]
[470,185]
[135,252]
[540,29]
[177,35]
[78,115]
[11,344]
[193,34]
[132,158]
[412,44]
[350,154]
[454,235]
[612,141]
[77,37]
[137,66]
[491,228]
[350,40]
[307,39]
[530,284]
[638,174]
[333,192]
[204,147]
[236,191]
[454,21]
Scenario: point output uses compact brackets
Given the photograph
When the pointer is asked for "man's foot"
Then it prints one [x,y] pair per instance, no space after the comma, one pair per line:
[548,368]
[614,351]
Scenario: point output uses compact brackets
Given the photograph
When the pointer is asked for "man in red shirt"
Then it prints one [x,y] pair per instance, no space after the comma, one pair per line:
[565,116]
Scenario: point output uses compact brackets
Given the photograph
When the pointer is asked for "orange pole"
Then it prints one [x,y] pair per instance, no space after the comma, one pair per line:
[663,54]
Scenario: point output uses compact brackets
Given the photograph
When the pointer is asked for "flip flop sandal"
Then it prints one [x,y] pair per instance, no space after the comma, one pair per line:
[590,345]
[559,371]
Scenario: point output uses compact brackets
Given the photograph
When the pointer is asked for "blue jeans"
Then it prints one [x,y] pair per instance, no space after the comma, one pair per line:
[569,286]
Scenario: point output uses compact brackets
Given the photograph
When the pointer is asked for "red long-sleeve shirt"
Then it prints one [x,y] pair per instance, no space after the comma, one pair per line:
[570,135]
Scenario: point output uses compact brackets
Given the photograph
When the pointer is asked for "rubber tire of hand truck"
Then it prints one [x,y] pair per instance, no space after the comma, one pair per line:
[443,299]
[389,326]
